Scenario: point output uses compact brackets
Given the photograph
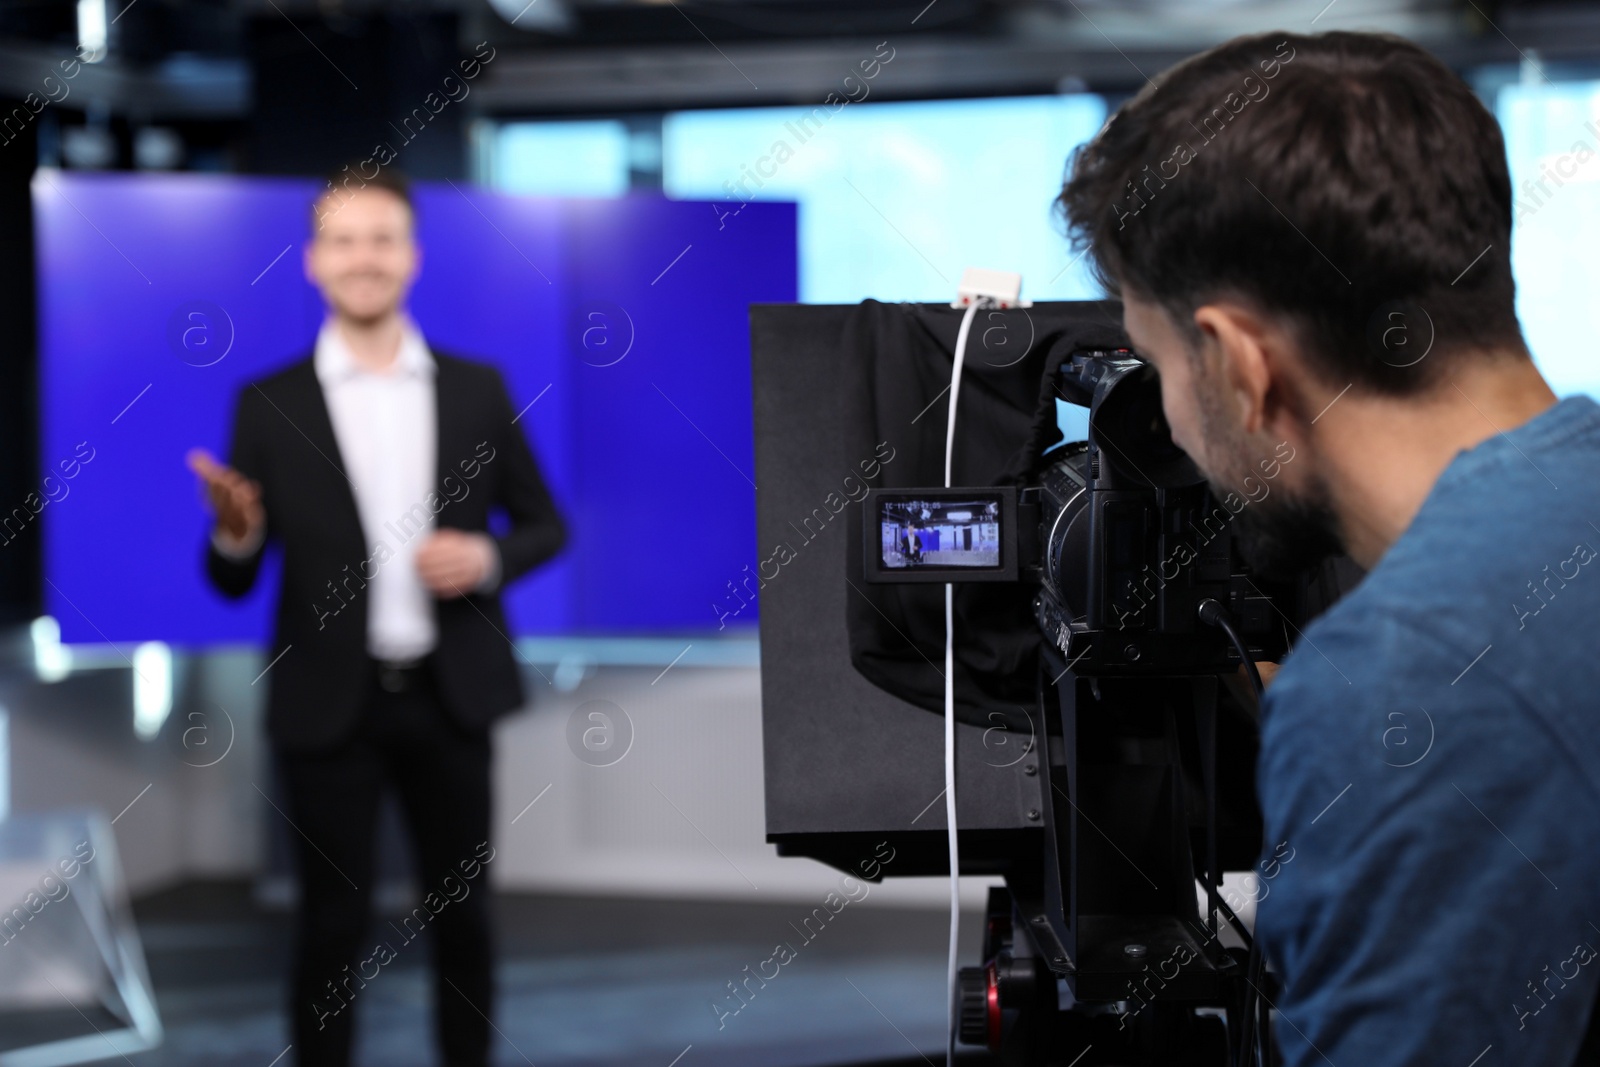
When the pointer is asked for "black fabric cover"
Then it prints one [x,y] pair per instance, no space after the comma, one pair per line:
[900,358]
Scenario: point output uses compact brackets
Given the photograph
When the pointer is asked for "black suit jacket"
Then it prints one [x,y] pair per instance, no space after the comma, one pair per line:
[283,438]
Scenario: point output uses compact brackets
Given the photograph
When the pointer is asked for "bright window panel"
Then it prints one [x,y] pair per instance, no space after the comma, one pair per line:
[560,158]
[896,199]
[1552,134]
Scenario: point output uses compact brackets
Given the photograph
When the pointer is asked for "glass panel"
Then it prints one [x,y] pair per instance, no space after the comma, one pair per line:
[1552,134]
[560,158]
[74,987]
[896,199]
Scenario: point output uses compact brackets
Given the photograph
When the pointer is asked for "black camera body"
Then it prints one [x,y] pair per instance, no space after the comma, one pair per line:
[1120,532]
[1123,540]
[1105,751]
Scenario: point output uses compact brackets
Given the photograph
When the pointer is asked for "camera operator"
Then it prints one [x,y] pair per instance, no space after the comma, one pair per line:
[1311,236]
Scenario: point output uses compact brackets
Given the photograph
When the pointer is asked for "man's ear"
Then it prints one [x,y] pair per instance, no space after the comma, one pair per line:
[1238,343]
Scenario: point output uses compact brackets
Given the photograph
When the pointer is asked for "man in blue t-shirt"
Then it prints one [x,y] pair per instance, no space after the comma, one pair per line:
[1312,239]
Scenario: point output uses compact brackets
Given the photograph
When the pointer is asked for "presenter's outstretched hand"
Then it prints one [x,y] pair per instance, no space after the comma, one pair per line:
[235,499]
[453,563]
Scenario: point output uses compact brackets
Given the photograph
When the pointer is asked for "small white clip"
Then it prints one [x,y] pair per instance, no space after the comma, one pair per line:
[1002,289]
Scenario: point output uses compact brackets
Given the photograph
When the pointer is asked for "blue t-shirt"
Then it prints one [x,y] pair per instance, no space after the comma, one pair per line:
[1430,777]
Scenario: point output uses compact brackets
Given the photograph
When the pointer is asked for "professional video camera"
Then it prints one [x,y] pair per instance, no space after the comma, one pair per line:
[1133,763]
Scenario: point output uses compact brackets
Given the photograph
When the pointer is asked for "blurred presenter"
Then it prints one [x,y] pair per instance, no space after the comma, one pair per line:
[373,463]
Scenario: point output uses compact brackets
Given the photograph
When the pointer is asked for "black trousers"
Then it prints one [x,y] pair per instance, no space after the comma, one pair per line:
[408,741]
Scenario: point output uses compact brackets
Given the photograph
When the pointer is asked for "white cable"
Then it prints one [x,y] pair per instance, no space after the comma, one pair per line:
[955,385]
[952,972]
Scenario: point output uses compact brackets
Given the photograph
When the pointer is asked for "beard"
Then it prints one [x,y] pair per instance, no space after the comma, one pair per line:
[1282,533]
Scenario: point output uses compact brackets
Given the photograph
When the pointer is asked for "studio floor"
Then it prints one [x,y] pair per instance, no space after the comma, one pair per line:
[619,982]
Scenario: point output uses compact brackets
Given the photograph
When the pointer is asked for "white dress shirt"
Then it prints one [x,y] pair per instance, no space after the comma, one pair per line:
[386,424]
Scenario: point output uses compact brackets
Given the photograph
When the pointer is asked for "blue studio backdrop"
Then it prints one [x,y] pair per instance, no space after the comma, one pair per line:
[621,327]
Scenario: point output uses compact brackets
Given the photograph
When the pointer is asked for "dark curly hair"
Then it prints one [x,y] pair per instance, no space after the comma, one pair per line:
[1339,180]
